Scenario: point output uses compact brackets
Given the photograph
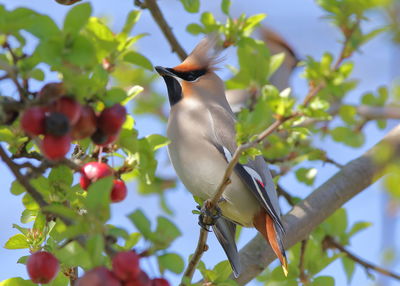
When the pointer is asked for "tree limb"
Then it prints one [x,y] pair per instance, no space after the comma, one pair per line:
[165,28]
[354,177]
[331,243]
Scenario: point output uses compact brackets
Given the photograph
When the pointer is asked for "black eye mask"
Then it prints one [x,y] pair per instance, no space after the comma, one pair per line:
[189,75]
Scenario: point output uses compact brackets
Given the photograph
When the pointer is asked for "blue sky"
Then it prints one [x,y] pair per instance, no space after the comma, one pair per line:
[301,23]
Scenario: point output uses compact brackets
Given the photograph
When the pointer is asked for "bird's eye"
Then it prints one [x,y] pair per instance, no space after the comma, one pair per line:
[191,77]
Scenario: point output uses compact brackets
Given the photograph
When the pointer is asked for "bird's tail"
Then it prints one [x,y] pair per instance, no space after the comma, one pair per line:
[266,226]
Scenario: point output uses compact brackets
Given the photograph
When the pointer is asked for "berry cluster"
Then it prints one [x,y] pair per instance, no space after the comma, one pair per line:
[125,272]
[64,120]
[94,171]
[43,267]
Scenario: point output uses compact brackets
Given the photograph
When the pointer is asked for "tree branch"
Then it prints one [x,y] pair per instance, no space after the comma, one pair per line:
[354,177]
[200,249]
[165,28]
[21,179]
[331,243]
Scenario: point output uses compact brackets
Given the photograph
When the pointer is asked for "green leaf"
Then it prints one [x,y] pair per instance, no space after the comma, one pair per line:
[142,223]
[61,176]
[172,262]
[252,22]
[131,20]
[192,6]
[98,199]
[17,241]
[23,259]
[132,240]
[225,5]
[28,215]
[349,267]
[17,281]
[358,226]
[306,175]
[23,230]
[348,114]
[223,269]
[194,29]
[95,248]
[61,210]
[42,27]
[77,18]
[275,62]
[16,187]
[73,254]
[132,93]
[138,59]
[40,222]
[348,136]
[114,95]
[166,232]
[323,281]
[157,141]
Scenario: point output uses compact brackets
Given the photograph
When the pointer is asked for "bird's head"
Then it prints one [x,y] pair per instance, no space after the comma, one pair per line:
[195,75]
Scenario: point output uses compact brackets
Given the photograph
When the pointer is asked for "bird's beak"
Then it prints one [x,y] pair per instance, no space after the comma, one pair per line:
[162,71]
[173,86]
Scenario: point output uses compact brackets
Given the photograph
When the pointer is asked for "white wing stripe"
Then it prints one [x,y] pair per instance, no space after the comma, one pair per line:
[255,176]
[228,155]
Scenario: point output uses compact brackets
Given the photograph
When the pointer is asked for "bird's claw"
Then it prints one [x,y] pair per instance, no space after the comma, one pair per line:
[208,216]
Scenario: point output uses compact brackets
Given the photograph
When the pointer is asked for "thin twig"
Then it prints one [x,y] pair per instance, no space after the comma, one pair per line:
[303,276]
[165,28]
[331,243]
[200,249]
[22,180]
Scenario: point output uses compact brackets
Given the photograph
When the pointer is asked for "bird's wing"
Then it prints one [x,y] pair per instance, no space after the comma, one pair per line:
[225,232]
[255,174]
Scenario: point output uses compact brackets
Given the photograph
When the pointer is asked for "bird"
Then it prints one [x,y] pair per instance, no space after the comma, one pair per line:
[201,130]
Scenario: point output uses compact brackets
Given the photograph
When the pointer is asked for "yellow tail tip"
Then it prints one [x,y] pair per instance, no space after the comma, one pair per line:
[285,268]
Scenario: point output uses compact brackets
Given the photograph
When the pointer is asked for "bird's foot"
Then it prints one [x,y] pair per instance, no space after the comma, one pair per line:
[209,215]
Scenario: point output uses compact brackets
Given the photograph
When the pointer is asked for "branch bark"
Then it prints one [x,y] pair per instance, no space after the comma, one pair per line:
[165,28]
[353,178]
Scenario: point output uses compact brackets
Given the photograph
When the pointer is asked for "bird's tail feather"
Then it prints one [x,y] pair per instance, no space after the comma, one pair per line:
[266,226]
[225,232]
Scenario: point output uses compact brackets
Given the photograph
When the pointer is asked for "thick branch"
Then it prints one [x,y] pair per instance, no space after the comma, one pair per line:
[165,28]
[331,243]
[354,177]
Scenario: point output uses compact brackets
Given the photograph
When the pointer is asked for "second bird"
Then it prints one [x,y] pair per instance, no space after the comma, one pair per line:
[201,127]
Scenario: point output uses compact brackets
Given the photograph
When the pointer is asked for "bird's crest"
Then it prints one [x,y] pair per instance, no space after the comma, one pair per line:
[205,56]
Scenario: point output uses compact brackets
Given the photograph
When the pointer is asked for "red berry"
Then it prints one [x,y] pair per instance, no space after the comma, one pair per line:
[84,182]
[125,265]
[112,118]
[118,192]
[42,267]
[102,139]
[55,147]
[32,121]
[99,276]
[86,124]
[56,124]
[160,282]
[93,171]
[142,280]
[69,107]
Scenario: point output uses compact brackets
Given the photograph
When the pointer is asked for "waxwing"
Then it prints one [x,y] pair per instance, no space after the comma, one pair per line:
[201,127]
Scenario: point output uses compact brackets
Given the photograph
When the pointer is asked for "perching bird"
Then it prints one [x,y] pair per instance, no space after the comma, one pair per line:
[201,127]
